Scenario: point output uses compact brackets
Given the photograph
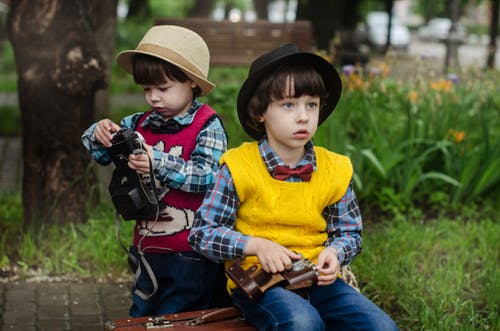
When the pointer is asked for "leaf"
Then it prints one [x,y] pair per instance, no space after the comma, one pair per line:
[440,176]
[374,162]
[489,177]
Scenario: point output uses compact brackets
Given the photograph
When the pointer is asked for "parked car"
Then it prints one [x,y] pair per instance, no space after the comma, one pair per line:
[437,29]
[376,31]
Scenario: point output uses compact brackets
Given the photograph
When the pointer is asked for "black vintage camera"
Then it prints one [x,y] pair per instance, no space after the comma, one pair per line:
[125,142]
[133,194]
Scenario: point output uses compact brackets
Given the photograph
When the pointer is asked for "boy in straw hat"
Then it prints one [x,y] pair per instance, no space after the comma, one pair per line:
[280,196]
[184,140]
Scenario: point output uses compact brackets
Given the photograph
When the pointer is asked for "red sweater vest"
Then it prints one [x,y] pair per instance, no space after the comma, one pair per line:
[170,232]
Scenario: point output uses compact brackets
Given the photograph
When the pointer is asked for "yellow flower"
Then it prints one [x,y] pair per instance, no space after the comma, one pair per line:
[444,85]
[355,82]
[379,69]
[412,96]
[457,136]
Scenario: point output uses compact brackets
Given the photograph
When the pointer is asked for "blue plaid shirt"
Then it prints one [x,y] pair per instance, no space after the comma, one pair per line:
[194,175]
[213,235]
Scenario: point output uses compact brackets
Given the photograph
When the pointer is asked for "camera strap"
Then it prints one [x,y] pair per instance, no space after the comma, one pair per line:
[136,263]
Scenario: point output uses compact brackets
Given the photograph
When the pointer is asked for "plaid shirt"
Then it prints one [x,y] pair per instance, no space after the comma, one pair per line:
[212,232]
[195,175]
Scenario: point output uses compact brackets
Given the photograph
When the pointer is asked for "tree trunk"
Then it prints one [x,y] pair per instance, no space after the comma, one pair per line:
[388,4]
[201,8]
[60,66]
[328,18]
[138,8]
[492,48]
[261,8]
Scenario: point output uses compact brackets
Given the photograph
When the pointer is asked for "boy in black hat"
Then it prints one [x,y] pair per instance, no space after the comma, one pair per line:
[280,196]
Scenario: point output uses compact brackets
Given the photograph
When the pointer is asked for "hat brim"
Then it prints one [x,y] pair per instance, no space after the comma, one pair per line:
[125,60]
[331,79]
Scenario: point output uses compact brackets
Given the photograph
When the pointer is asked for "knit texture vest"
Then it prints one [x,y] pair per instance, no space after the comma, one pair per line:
[290,214]
[176,218]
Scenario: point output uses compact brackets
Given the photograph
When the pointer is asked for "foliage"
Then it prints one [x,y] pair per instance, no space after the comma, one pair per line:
[11,120]
[7,67]
[420,137]
[87,250]
[445,276]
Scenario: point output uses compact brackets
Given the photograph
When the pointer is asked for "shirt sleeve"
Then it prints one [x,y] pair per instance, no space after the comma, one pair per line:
[212,233]
[98,151]
[344,226]
[196,174]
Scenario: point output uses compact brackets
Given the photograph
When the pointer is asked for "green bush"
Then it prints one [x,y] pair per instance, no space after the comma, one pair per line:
[419,138]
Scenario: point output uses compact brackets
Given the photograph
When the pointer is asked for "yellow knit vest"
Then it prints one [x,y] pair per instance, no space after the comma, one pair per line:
[287,213]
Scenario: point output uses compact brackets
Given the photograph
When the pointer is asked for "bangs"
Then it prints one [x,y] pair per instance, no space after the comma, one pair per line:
[306,81]
[149,70]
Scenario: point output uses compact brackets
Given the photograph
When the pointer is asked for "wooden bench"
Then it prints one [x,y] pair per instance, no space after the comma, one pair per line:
[238,44]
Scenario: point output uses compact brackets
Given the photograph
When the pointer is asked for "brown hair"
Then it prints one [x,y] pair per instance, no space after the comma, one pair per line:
[150,70]
[306,79]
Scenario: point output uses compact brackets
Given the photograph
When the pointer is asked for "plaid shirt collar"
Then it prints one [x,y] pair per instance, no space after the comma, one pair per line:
[271,159]
[184,119]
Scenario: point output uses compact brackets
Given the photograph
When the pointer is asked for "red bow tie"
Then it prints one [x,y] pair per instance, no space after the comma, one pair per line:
[283,172]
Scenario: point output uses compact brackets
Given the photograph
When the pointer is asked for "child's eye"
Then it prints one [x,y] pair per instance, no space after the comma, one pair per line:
[312,105]
[288,105]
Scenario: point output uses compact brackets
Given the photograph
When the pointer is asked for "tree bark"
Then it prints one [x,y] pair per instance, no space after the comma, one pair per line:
[138,8]
[492,48]
[261,8]
[388,4]
[328,18]
[61,61]
[201,8]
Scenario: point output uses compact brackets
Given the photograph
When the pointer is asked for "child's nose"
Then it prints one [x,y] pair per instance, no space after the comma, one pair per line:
[302,114]
[155,95]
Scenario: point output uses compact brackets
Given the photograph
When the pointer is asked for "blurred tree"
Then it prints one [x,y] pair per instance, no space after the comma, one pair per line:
[138,9]
[334,26]
[62,51]
[201,8]
[388,5]
[328,17]
[261,8]
[492,48]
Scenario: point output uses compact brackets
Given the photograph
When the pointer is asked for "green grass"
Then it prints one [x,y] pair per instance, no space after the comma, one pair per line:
[439,274]
[88,250]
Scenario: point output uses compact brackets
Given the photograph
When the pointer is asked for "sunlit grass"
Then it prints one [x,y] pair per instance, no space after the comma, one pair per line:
[435,275]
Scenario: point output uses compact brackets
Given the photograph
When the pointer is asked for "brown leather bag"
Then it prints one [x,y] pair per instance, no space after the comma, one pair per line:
[218,319]
[255,281]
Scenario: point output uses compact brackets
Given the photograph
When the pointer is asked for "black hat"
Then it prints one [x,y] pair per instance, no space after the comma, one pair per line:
[266,63]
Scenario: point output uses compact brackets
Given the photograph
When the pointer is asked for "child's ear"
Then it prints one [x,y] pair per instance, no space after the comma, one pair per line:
[193,84]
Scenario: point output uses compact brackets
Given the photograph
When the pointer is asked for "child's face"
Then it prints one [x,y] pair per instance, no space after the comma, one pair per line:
[171,98]
[291,122]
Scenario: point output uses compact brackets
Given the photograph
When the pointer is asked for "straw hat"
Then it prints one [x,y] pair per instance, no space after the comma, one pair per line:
[267,63]
[179,46]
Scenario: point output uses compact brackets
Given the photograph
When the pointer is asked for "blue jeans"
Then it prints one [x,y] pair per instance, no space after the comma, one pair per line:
[334,307]
[185,282]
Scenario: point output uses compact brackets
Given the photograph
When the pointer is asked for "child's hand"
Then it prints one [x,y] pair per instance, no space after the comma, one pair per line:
[272,256]
[328,266]
[104,131]
[140,162]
